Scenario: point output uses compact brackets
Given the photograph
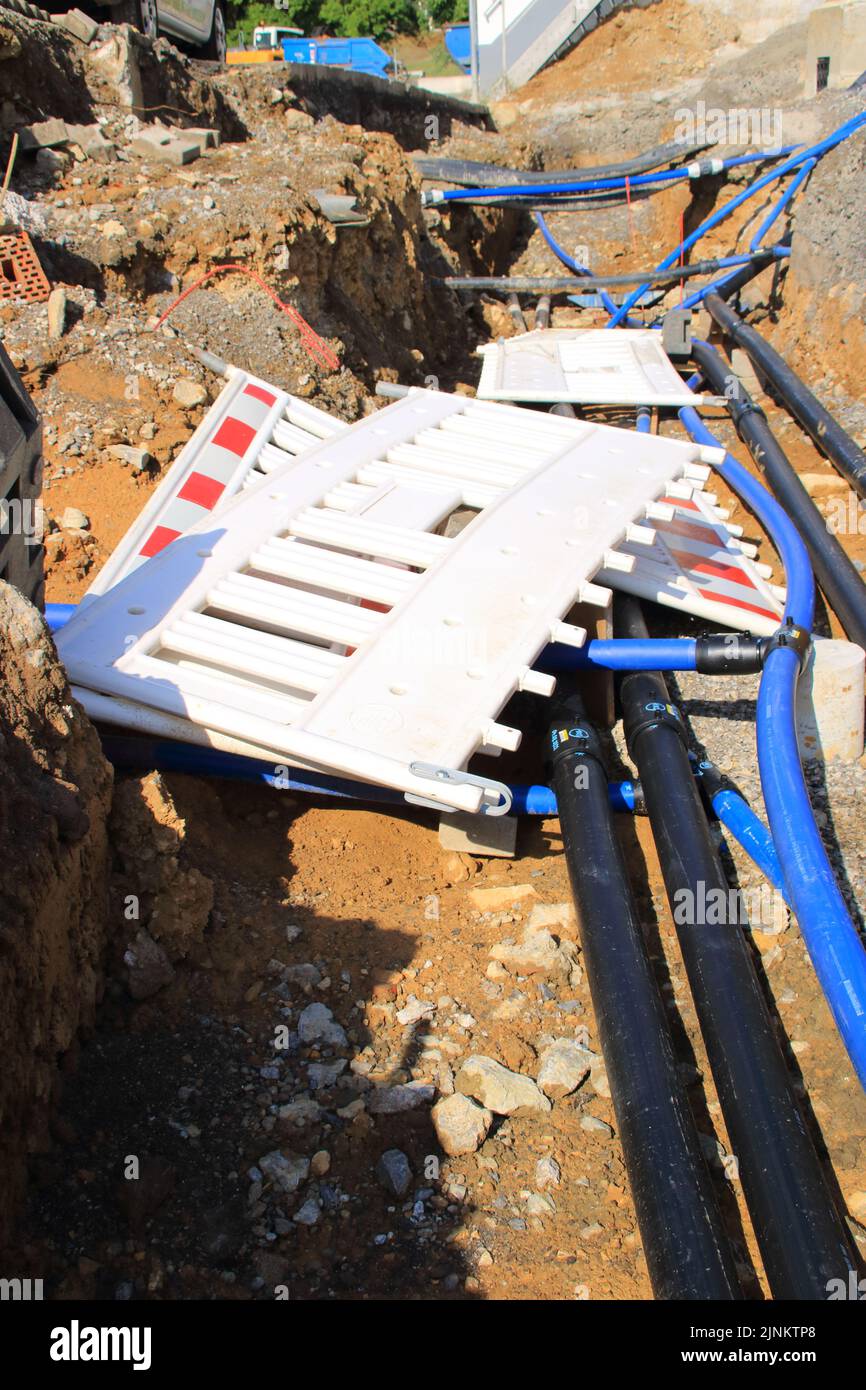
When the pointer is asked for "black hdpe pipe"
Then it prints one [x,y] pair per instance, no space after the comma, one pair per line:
[807,410]
[551,283]
[473,173]
[802,1240]
[835,572]
[687,1251]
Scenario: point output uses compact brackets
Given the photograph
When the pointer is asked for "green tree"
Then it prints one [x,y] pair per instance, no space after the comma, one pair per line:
[377,18]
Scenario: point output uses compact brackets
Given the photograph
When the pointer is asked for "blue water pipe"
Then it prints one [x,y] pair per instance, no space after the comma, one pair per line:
[697,169]
[674,654]
[830,935]
[793,162]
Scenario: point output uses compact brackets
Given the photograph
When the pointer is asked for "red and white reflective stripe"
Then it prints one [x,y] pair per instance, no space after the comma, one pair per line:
[697,565]
[221,465]
[211,466]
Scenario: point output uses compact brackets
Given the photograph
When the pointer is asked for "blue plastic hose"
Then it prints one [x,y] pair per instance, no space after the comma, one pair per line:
[619,184]
[828,931]
[794,162]
[622,654]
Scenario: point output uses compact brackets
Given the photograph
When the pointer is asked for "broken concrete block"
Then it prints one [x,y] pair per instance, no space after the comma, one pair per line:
[44,135]
[56,313]
[78,24]
[464,833]
[204,136]
[155,142]
[92,142]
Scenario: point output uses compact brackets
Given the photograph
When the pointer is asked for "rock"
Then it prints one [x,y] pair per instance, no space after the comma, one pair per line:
[73,519]
[461,1124]
[306,975]
[298,120]
[598,1079]
[500,899]
[317,1024]
[564,1066]
[135,458]
[92,143]
[56,313]
[148,966]
[820,485]
[539,1204]
[394,1172]
[395,1100]
[309,1213]
[44,135]
[324,1074]
[113,228]
[556,916]
[500,1090]
[539,953]
[414,1010]
[320,1163]
[300,1112]
[189,393]
[286,1170]
[547,1173]
[857,1206]
[593,1125]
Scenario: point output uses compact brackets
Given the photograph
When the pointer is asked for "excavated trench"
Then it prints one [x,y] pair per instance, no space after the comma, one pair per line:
[178,932]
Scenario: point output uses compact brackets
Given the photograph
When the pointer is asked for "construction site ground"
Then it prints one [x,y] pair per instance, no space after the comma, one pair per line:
[274,900]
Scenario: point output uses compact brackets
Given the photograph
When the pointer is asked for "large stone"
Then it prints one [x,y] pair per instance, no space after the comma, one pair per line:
[538,952]
[56,313]
[394,1172]
[189,394]
[500,1090]
[44,135]
[461,1124]
[318,1025]
[564,1065]
[148,966]
[92,142]
[286,1170]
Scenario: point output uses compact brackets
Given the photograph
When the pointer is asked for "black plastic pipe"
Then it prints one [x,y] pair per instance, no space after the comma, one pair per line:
[835,572]
[687,1252]
[473,173]
[845,455]
[546,284]
[801,1236]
